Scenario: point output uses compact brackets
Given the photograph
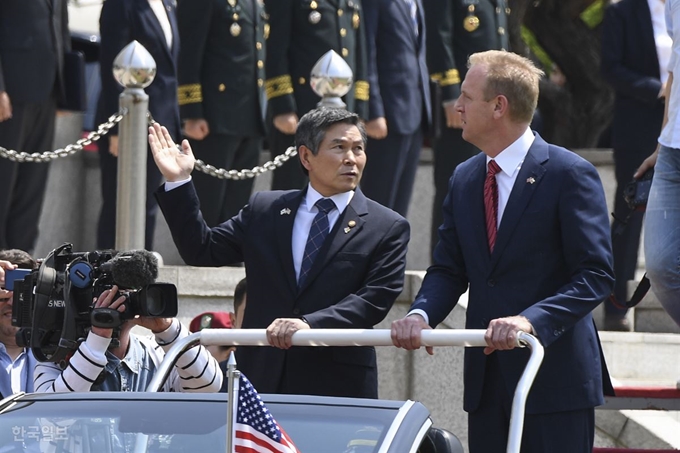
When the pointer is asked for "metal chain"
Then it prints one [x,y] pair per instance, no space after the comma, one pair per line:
[240,174]
[245,173]
[102,130]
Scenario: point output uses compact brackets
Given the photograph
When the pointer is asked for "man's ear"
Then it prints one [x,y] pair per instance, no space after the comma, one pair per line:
[305,154]
[501,106]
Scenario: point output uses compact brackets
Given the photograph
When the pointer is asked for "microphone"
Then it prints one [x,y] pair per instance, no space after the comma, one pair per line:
[133,269]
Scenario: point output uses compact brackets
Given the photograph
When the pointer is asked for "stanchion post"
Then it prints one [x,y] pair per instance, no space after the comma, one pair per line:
[134,68]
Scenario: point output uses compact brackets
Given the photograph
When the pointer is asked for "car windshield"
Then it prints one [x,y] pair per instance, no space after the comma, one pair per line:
[180,425]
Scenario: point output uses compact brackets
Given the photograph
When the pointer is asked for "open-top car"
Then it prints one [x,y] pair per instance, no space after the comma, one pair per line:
[105,422]
[152,421]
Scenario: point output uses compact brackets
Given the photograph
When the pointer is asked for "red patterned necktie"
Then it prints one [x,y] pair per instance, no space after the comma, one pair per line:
[491,203]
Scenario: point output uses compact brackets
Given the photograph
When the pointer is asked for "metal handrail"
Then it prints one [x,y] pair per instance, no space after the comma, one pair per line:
[366,337]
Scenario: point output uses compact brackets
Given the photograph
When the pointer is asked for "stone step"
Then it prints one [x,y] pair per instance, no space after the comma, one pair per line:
[642,356]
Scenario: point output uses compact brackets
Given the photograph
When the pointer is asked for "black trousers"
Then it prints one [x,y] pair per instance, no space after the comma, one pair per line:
[221,199]
[106,231]
[22,185]
[449,150]
[289,175]
[557,432]
[625,243]
[391,166]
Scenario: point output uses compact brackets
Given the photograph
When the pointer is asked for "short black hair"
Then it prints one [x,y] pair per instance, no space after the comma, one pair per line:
[240,294]
[15,256]
[313,125]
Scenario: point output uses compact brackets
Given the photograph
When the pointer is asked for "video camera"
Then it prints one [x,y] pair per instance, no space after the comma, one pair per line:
[53,306]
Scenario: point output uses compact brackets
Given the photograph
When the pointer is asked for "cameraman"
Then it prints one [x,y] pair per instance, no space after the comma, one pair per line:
[16,363]
[130,365]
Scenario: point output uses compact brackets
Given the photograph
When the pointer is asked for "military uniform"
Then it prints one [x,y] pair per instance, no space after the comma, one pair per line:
[221,76]
[301,32]
[455,30]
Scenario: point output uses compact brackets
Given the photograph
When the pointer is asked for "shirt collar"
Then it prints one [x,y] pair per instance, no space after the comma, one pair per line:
[511,158]
[341,200]
[3,350]
[133,360]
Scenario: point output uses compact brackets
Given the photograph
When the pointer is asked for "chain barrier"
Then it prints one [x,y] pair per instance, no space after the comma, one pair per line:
[241,174]
[104,128]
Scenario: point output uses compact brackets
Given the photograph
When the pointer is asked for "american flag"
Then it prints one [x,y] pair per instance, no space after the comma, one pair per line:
[256,431]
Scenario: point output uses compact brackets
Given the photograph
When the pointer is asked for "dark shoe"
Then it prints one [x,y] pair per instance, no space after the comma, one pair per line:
[616,324]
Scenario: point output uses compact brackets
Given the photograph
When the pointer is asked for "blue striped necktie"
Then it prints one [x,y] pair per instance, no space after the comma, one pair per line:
[317,233]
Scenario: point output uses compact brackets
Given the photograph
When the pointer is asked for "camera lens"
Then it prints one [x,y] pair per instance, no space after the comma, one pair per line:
[154,302]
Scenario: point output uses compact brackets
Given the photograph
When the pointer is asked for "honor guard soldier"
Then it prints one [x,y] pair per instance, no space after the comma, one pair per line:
[455,30]
[221,95]
[301,32]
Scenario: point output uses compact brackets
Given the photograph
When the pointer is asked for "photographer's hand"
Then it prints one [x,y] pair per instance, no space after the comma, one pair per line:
[155,325]
[105,300]
[5,265]
[173,163]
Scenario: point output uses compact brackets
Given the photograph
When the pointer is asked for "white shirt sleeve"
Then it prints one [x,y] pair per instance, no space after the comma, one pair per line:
[82,370]
[175,184]
[196,370]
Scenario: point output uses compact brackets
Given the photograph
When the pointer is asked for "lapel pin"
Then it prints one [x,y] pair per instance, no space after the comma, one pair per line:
[347,230]
[351,224]
[531,180]
[285,211]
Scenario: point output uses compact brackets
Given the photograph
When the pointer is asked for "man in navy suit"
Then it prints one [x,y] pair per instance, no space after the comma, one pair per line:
[399,102]
[153,24]
[33,38]
[535,251]
[636,49]
[352,280]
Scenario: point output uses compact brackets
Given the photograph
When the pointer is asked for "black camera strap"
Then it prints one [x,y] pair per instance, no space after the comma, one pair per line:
[644,284]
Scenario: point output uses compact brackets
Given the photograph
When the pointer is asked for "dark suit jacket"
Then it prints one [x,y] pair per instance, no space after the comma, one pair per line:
[354,281]
[33,38]
[630,64]
[449,44]
[221,65]
[121,22]
[551,263]
[299,38]
[397,72]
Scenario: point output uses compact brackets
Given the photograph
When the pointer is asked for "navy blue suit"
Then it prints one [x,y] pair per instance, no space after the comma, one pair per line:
[551,263]
[399,81]
[121,22]
[33,38]
[630,64]
[355,279]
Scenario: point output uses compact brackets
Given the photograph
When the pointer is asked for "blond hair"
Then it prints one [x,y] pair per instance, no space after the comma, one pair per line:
[512,76]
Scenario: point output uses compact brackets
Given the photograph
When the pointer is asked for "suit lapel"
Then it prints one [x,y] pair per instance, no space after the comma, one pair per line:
[174,51]
[285,209]
[403,6]
[526,184]
[340,235]
[147,12]
[421,27]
